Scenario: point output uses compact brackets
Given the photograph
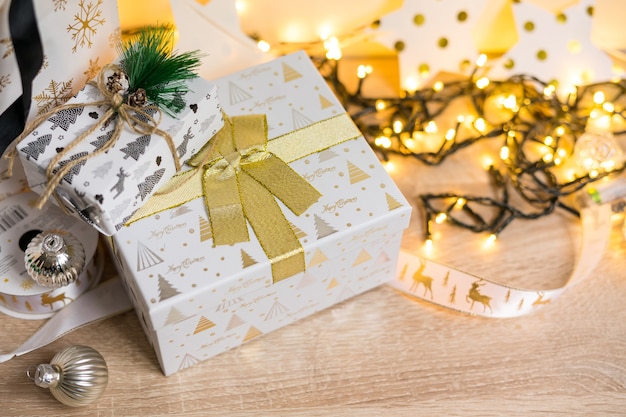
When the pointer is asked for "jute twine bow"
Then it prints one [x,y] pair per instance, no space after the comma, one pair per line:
[138,119]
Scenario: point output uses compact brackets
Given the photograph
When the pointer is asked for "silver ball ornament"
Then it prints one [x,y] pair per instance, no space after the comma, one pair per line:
[76,376]
[54,258]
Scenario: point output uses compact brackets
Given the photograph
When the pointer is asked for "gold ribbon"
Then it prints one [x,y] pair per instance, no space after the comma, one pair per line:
[125,112]
[239,173]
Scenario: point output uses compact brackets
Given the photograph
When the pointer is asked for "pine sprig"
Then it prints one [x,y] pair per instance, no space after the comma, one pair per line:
[151,64]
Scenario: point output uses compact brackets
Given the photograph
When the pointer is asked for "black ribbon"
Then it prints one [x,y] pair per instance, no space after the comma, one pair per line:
[29,55]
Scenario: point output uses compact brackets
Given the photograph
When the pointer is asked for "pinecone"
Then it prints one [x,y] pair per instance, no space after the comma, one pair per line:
[117,82]
[138,98]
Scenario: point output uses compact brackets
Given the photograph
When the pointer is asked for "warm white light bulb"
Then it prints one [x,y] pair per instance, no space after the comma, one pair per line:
[263,46]
[411,84]
[363,71]
[382,141]
[482,82]
[480,124]
[548,141]
[431,127]
[504,153]
[510,102]
[598,97]
[428,246]
[481,60]
[333,51]
[450,134]
[549,90]
[398,126]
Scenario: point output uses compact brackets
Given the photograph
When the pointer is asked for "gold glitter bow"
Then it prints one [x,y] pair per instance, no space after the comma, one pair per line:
[240,174]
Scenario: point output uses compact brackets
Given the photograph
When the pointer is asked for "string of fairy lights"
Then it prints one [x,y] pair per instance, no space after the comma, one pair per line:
[552,147]
[537,130]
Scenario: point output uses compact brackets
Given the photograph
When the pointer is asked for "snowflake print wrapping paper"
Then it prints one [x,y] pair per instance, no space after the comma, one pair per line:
[78,37]
[105,190]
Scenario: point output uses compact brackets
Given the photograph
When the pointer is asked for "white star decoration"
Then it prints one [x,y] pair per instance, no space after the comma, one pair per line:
[443,36]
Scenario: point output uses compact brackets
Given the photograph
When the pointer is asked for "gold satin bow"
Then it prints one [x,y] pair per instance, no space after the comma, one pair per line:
[240,174]
[240,180]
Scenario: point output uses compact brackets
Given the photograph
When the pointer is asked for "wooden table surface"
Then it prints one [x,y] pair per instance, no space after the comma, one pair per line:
[382,354]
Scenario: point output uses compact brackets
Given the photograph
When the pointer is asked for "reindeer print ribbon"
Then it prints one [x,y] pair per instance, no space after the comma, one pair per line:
[41,305]
[451,288]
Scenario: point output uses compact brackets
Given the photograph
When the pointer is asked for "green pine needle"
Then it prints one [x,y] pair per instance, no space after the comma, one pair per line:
[150,63]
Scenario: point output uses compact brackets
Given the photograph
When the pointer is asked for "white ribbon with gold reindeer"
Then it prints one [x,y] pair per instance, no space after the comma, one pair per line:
[457,290]
[68,307]
[21,296]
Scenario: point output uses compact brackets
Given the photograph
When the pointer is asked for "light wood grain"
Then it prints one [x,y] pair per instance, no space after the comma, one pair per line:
[382,354]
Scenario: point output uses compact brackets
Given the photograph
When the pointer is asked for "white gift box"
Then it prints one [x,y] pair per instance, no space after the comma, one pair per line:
[196,299]
[106,189]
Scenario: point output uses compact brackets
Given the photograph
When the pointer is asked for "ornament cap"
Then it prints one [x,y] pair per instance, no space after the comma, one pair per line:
[76,376]
[46,375]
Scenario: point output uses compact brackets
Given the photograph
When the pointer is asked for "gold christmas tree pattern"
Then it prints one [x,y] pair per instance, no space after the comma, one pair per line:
[392,203]
[299,120]
[203,325]
[356,174]
[322,228]
[235,321]
[188,361]
[276,310]
[236,94]
[290,74]
[363,257]
[297,231]
[166,290]
[174,316]
[326,155]
[325,103]
[146,258]
[205,229]
[318,257]
[252,333]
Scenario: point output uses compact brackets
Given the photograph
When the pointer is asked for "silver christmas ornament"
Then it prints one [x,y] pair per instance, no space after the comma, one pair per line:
[76,376]
[54,258]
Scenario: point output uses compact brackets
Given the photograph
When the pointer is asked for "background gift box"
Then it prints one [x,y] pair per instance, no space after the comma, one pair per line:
[48,51]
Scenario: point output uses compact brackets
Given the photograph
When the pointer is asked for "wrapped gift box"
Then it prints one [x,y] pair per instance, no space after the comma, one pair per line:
[196,299]
[106,189]
[78,37]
